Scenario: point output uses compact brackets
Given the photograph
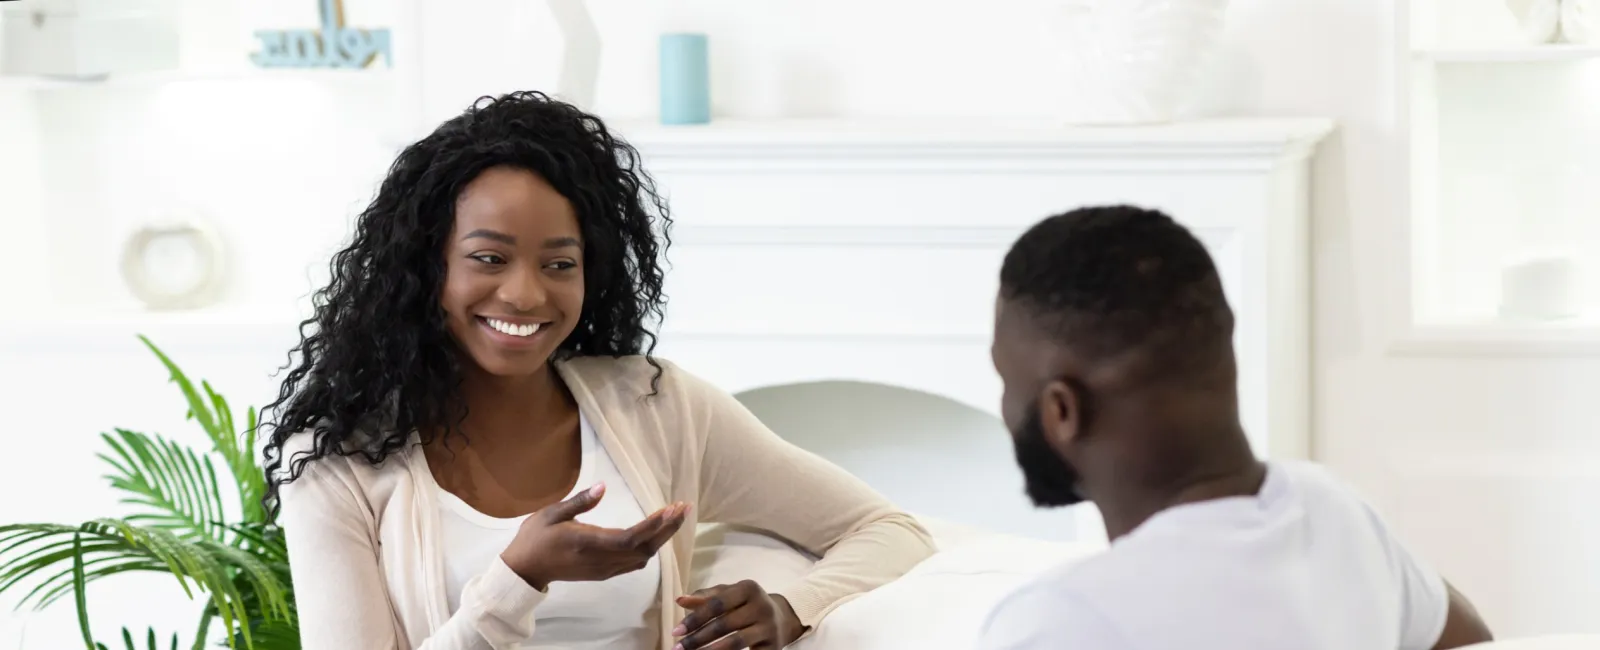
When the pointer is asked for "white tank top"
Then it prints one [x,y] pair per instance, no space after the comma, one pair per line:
[617,614]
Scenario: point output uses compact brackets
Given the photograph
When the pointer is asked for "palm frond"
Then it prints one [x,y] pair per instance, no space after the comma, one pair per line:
[150,641]
[80,591]
[273,635]
[241,585]
[262,539]
[214,415]
[178,485]
[180,528]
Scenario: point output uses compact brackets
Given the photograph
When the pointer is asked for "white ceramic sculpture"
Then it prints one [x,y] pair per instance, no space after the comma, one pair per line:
[1580,21]
[1132,61]
[580,62]
[1552,21]
[1540,288]
[197,278]
[1538,21]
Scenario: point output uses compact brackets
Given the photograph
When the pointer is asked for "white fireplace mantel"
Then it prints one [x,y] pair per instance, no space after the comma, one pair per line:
[890,235]
[1238,143]
[870,252]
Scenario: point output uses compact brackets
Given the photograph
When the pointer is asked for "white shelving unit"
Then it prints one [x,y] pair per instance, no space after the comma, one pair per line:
[1553,52]
[157,79]
[1504,147]
[89,159]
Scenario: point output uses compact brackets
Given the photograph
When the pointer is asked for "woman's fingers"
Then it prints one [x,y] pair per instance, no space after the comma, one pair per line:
[579,503]
[707,604]
[615,551]
[668,518]
[739,626]
[737,641]
[669,527]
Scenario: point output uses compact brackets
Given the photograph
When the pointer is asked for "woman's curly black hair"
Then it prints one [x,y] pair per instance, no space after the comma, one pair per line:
[376,361]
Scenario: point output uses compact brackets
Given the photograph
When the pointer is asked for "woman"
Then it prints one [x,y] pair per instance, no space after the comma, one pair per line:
[466,450]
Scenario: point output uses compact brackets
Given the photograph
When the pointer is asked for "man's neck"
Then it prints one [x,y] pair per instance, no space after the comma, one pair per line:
[1128,508]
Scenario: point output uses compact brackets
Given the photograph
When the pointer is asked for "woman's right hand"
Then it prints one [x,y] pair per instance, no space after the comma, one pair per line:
[552,547]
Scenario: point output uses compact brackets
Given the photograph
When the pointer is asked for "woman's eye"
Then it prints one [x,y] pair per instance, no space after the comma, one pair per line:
[488,258]
[564,265]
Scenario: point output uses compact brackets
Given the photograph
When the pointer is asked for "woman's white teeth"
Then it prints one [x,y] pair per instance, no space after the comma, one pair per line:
[513,328]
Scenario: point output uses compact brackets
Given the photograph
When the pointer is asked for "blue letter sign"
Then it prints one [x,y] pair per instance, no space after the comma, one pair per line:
[333,46]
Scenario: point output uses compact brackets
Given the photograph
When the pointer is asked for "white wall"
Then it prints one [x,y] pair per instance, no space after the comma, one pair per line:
[1483,463]
[1380,419]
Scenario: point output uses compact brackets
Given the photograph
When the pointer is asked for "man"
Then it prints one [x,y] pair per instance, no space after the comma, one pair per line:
[1114,341]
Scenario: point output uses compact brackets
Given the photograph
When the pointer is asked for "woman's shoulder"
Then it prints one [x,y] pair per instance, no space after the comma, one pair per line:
[634,379]
[635,373]
[307,454]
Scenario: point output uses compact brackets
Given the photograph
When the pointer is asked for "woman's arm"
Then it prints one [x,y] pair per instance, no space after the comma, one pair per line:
[751,477]
[340,593]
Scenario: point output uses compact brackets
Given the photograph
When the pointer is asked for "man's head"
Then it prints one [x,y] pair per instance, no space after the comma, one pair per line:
[1114,341]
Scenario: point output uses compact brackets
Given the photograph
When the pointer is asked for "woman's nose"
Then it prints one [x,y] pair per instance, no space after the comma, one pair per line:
[523,290]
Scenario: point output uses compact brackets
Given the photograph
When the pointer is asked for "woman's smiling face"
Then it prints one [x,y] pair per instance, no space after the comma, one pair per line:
[513,287]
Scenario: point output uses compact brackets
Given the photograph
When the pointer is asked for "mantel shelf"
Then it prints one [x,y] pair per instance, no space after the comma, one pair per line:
[163,78]
[937,133]
[1548,53]
[976,144]
[1565,339]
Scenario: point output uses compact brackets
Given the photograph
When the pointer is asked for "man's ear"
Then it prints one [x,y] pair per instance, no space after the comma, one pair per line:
[1062,413]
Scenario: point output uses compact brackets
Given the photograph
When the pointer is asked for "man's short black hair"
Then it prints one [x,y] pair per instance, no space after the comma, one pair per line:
[1107,280]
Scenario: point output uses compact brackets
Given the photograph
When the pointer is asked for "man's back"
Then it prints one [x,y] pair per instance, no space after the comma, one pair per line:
[1304,564]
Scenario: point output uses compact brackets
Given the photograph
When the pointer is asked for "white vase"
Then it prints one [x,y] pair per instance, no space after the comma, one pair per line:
[1538,21]
[1132,61]
[1580,21]
[580,59]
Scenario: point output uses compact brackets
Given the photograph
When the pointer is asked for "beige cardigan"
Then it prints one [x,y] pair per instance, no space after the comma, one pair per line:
[363,540]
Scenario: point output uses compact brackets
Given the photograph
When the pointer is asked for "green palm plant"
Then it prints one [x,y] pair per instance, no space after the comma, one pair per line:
[181,527]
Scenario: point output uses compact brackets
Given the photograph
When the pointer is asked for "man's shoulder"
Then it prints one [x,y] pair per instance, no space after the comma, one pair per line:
[1321,491]
[1309,473]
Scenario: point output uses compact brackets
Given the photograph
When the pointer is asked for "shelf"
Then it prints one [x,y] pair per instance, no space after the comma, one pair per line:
[1578,337]
[221,328]
[156,79]
[973,145]
[1526,465]
[1241,131]
[1554,52]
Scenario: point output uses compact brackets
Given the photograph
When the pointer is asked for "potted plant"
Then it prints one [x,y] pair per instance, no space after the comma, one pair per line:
[180,526]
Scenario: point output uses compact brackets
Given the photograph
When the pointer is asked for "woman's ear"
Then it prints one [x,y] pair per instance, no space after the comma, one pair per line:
[1062,413]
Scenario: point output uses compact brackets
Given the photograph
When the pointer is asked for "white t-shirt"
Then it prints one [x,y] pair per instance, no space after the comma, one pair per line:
[1305,564]
[616,614]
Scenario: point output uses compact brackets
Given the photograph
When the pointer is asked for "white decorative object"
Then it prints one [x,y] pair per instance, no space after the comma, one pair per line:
[1552,21]
[1132,61]
[551,46]
[580,60]
[173,265]
[88,38]
[1580,21]
[1540,287]
[1538,21]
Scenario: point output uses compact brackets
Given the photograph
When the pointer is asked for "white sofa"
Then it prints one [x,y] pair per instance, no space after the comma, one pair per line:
[1552,642]
[938,605]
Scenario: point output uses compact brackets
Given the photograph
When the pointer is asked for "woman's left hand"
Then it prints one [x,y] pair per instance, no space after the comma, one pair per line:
[734,617]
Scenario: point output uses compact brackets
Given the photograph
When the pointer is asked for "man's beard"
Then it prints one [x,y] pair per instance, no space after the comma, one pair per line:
[1051,482]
